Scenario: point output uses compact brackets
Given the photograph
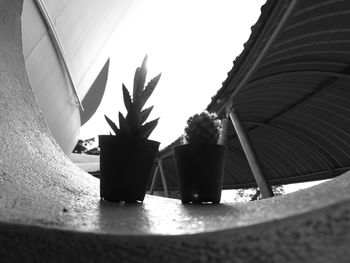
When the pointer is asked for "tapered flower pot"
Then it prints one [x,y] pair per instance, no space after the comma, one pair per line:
[126,165]
[200,170]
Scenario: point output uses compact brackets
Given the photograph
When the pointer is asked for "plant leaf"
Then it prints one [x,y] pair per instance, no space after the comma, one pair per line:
[146,130]
[144,114]
[123,125]
[133,118]
[147,92]
[139,80]
[112,125]
[127,98]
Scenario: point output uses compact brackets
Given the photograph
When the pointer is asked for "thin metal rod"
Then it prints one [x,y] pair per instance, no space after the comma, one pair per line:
[58,46]
[252,157]
[162,174]
[151,190]
[263,52]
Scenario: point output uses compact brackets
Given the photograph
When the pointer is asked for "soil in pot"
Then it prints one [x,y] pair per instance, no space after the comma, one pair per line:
[200,170]
[126,165]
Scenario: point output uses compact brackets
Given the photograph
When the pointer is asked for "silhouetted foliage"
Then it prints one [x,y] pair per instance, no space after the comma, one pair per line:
[85,147]
[134,122]
[253,194]
[203,128]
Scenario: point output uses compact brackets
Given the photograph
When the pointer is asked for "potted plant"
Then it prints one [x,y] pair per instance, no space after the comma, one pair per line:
[200,161]
[127,158]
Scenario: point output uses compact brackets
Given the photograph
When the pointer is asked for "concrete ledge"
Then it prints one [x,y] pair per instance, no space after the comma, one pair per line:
[88,163]
[50,210]
[164,230]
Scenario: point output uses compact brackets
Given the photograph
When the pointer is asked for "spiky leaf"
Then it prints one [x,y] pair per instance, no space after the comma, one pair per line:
[147,92]
[131,124]
[123,125]
[147,129]
[144,114]
[139,80]
[133,118]
[127,98]
[112,125]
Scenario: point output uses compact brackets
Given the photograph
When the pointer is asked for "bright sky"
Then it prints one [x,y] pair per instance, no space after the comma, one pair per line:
[192,42]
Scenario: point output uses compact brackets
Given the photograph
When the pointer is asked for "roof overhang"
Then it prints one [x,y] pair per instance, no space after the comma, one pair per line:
[290,86]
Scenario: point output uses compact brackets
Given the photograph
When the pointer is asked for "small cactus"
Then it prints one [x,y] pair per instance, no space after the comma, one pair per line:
[202,128]
[133,123]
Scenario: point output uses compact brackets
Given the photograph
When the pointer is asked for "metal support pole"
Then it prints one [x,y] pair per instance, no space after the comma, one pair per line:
[162,174]
[262,53]
[151,190]
[224,131]
[159,168]
[252,158]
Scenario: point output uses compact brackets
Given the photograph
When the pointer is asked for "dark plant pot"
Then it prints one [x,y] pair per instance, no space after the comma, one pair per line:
[126,165]
[200,170]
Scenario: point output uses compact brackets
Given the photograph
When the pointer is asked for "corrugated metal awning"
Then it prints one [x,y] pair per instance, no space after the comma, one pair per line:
[291,87]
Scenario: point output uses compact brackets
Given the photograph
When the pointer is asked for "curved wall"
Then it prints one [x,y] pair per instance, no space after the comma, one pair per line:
[60,78]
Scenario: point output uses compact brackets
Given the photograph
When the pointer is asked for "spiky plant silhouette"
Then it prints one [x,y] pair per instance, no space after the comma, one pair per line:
[134,122]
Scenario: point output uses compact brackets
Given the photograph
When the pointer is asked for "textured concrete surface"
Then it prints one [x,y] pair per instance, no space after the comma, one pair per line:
[50,210]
